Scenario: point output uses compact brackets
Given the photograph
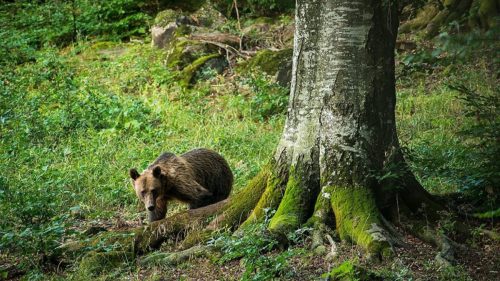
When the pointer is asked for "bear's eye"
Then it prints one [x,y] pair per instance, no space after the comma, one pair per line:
[143,193]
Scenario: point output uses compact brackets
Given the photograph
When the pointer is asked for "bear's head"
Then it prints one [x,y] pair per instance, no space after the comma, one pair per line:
[148,186]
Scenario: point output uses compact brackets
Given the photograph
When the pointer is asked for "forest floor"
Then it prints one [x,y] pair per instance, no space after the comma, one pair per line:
[480,262]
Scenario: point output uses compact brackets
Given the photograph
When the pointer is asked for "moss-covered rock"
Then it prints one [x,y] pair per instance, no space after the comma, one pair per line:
[165,17]
[266,60]
[185,52]
[95,263]
[166,26]
[208,16]
[201,68]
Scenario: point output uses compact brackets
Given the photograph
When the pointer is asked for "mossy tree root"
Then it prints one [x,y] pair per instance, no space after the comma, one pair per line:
[151,236]
[453,10]
[174,258]
[487,13]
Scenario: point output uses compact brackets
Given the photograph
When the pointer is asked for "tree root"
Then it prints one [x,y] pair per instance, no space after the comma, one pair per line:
[493,235]
[447,247]
[174,258]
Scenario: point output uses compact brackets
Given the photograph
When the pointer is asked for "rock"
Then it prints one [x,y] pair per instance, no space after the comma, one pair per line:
[185,52]
[211,67]
[267,61]
[165,26]
[208,16]
[284,74]
[202,69]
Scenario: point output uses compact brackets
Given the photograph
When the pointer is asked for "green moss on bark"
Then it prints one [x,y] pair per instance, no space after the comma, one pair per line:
[355,210]
[244,202]
[271,198]
[297,202]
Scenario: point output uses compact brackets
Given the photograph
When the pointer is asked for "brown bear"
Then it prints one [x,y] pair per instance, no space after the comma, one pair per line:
[197,178]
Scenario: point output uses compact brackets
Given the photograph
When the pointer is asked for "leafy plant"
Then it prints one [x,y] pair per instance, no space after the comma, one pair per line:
[35,227]
[483,181]
[251,245]
[345,270]
[269,98]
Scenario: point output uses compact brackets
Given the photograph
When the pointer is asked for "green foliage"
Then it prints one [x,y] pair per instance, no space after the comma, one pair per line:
[345,270]
[71,126]
[452,132]
[251,245]
[32,224]
[483,181]
[268,98]
[30,25]
[489,214]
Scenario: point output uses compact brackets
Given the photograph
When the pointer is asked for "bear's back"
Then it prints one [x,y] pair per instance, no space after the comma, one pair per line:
[163,160]
[211,171]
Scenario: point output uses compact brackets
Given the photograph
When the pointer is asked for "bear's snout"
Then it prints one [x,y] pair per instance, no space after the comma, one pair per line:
[151,208]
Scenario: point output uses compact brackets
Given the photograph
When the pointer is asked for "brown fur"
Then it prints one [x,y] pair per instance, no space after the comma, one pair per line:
[197,178]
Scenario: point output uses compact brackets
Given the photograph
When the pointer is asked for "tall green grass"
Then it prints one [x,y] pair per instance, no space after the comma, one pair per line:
[73,125]
[451,148]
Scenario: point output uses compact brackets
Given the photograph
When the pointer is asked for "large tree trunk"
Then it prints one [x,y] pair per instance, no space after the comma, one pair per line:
[340,133]
[338,162]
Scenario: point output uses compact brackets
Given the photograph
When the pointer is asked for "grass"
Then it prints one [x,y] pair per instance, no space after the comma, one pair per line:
[432,117]
[70,136]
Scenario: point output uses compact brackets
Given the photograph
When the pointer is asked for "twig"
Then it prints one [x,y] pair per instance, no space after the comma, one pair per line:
[237,14]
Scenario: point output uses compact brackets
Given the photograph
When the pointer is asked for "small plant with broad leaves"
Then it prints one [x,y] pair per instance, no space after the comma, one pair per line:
[252,246]
[268,98]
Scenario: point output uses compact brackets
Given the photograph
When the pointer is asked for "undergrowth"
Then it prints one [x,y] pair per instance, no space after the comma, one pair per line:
[71,127]
[252,244]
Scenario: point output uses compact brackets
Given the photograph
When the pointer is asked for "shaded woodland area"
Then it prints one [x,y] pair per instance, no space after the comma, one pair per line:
[362,135]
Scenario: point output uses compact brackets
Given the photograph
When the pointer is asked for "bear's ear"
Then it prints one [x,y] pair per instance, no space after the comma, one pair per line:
[157,171]
[134,174]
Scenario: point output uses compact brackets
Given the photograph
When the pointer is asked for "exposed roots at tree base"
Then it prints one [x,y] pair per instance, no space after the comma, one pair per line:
[336,212]
[447,247]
